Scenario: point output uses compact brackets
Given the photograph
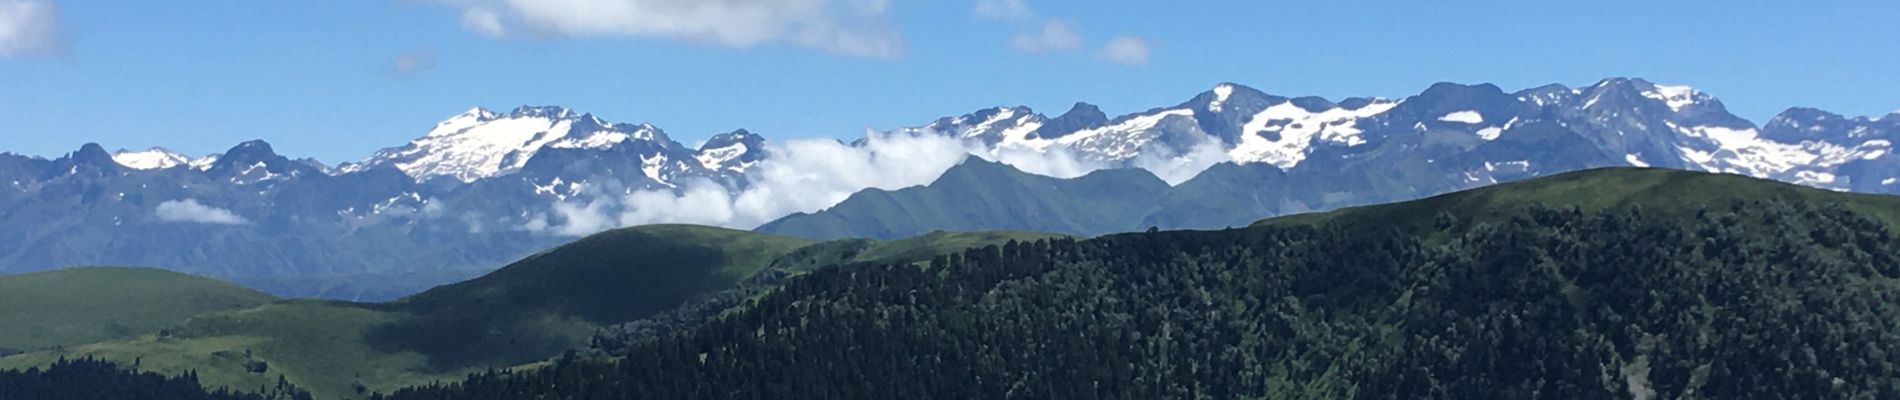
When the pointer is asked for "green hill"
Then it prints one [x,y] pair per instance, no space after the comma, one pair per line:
[1673,193]
[553,301]
[521,314]
[1718,287]
[82,305]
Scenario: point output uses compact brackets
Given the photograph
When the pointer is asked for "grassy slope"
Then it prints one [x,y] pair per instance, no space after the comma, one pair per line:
[520,314]
[1669,192]
[316,345]
[83,305]
[554,301]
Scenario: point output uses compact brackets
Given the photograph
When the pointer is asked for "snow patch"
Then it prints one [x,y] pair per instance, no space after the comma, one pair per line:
[1508,166]
[189,210]
[651,167]
[1743,151]
[1676,97]
[148,159]
[1123,140]
[1221,93]
[1467,117]
[203,163]
[1298,130]
[1813,178]
[716,158]
[1490,133]
[1635,160]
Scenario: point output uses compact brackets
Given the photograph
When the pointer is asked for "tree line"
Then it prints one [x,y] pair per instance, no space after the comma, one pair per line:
[93,379]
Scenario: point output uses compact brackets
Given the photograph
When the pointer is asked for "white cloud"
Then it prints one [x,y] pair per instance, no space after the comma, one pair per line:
[802,175]
[1003,9]
[1053,36]
[413,62]
[30,28]
[1126,50]
[483,21]
[189,210]
[808,175]
[1176,168]
[856,28]
[1058,162]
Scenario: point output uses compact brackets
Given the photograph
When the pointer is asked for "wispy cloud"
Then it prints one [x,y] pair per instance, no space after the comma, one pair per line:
[802,175]
[413,62]
[808,175]
[857,28]
[483,21]
[1003,9]
[30,28]
[189,210]
[1126,50]
[1053,36]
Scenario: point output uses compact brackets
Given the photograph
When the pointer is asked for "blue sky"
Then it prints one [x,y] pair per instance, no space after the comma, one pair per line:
[320,78]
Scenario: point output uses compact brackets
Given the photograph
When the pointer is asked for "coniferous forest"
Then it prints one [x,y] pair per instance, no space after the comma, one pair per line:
[90,379]
[1757,299]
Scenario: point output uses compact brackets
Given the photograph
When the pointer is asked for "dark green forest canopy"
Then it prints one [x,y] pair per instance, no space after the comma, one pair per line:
[89,379]
[1763,298]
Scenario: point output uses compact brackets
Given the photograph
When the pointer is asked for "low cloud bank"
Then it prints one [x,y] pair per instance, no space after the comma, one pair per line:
[808,175]
[189,210]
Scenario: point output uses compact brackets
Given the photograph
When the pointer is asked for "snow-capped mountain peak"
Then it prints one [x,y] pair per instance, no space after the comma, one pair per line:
[990,125]
[1677,97]
[1221,93]
[1284,133]
[480,143]
[734,151]
[1080,116]
[152,158]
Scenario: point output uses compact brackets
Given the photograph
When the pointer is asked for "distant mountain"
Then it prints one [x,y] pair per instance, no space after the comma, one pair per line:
[483,187]
[1456,127]
[445,207]
[481,144]
[983,195]
[250,216]
[1294,155]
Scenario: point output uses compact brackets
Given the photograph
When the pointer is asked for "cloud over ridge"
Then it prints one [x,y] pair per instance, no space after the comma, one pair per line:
[808,175]
[189,210]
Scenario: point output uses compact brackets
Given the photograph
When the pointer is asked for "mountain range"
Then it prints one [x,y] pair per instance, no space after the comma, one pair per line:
[484,187]
[1605,283]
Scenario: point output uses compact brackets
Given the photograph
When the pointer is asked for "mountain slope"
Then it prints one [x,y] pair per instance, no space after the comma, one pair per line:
[483,187]
[1661,192]
[1778,296]
[984,195]
[555,300]
[82,305]
[528,311]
